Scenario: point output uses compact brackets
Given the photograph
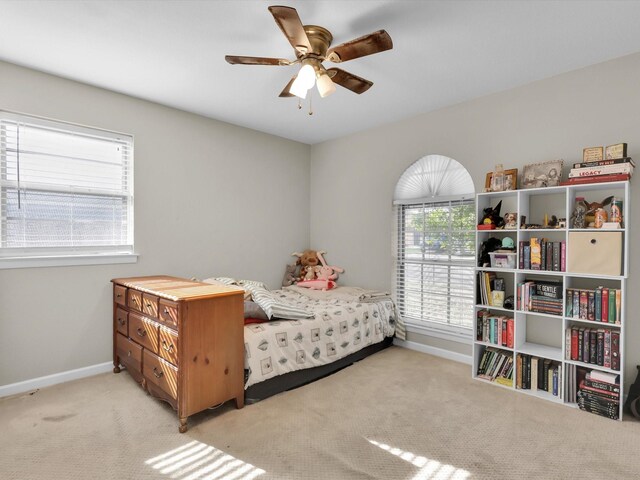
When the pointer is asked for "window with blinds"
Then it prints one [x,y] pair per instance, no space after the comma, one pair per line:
[435,263]
[65,189]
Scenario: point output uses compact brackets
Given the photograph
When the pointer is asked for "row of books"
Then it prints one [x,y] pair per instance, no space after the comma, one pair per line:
[542,254]
[597,392]
[496,366]
[600,305]
[491,289]
[496,329]
[535,373]
[597,346]
[612,170]
[540,296]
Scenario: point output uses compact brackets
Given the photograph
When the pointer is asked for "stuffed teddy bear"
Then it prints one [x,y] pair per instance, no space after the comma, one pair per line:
[307,260]
[325,276]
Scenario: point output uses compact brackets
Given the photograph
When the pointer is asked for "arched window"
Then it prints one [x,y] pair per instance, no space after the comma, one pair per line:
[434,247]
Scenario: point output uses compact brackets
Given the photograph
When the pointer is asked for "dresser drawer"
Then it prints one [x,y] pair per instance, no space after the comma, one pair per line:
[129,353]
[120,295]
[143,331]
[168,313]
[135,300]
[160,373]
[122,321]
[168,346]
[150,305]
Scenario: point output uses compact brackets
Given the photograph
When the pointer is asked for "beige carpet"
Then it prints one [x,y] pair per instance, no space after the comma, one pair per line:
[396,415]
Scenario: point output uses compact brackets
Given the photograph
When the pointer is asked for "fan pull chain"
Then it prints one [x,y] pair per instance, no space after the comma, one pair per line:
[310,104]
[299,104]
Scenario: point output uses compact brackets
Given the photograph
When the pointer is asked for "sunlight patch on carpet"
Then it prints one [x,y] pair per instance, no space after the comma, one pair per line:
[199,461]
[429,469]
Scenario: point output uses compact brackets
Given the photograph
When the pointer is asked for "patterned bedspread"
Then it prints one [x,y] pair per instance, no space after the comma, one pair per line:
[341,325]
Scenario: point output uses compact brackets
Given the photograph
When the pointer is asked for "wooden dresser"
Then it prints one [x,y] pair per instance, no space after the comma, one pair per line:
[181,340]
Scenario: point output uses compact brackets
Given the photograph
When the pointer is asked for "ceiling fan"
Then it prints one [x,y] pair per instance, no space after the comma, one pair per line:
[311,44]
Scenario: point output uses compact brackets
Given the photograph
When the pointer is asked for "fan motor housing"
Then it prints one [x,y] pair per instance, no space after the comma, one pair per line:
[319,38]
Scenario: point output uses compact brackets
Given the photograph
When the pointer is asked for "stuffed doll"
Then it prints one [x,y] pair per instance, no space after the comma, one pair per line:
[491,216]
[290,275]
[325,276]
[308,260]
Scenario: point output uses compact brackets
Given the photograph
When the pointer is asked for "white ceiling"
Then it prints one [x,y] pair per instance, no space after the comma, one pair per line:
[445,52]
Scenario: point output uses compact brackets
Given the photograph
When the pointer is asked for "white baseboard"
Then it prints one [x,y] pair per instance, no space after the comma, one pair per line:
[439,352]
[56,378]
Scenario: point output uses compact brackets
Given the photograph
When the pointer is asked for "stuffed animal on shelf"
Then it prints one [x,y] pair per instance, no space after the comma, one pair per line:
[491,216]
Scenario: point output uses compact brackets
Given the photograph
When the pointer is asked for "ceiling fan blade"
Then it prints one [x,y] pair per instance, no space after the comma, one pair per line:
[285,92]
[349,80]
[360,47]
[236,60]
[289,22]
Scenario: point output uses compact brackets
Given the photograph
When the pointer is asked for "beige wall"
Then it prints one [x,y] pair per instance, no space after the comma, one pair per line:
[353,178]
[210,199]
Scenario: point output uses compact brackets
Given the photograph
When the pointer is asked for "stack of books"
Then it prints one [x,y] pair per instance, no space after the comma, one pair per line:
[598,346]
[535,373]
[612,170]
[496,366]
[542,296]
[599,393]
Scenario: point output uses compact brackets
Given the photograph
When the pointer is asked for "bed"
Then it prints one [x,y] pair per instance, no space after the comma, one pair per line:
[309,334]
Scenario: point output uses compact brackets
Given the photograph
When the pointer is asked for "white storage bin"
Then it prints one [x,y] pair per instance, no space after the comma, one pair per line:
[503,259]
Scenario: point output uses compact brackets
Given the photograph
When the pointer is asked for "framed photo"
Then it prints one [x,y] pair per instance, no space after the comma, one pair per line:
[592,154]
[510,180]
[547,174]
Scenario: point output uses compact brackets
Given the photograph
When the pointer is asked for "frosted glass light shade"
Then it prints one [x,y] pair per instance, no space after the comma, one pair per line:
[325,85]
[304,81]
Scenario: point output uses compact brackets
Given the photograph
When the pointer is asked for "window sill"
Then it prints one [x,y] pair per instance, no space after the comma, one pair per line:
[67,260]
[458,335]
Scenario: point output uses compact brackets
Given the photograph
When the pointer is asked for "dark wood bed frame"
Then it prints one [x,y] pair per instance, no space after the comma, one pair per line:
[291,380]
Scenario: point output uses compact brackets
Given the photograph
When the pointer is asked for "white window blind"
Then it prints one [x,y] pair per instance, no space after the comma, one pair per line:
[64,189]
[435,263]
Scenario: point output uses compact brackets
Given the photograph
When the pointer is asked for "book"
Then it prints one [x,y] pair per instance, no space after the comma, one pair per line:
[612,305]
[543,254]
[600,347]
[510,332]
[605,305]
[536,259]
[614,177]
[593,346]
[618,305]
[601,170]
[615,350]
[569,303]
[584,304]
[555,257]
[613,388]
[591,305]
[576,304]
[563,256]
[521,254]
[597,314]
[549,288]
[607,349]
[600,163]
[534,373]
[527,257]
[549,250]
[574,343]
[606,377]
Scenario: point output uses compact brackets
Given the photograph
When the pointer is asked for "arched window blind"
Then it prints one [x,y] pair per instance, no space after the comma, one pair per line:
[65,190]
[434,246]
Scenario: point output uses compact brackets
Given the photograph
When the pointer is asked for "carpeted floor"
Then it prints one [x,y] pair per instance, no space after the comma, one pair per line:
[396,415]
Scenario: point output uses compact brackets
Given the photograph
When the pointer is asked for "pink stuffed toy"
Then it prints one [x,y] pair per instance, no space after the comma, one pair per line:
[326,276]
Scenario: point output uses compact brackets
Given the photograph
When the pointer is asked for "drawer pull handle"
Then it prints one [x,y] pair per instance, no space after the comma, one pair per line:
[157,373]
[141,332]
[121,321]
[135,300]
[166,311]
[129,353]
[167,347]
[118,295]
[149,305]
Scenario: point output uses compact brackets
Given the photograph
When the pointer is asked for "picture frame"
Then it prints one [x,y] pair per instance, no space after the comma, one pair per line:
[545,174]
[510,180]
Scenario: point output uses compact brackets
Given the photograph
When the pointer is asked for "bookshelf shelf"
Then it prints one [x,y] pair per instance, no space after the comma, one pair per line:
[547,336]
[541,351]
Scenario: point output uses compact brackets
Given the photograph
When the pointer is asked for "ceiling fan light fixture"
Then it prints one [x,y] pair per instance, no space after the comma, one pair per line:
[304,81]
[325,85]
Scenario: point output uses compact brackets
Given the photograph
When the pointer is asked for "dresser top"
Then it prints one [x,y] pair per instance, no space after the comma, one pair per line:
[175,288]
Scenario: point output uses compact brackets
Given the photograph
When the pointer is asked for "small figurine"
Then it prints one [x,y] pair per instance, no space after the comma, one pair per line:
[491,216]
[578,217]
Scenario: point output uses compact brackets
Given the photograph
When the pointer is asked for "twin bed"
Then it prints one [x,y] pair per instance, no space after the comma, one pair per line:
[310,334]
